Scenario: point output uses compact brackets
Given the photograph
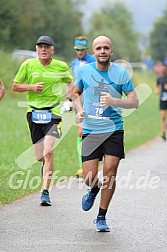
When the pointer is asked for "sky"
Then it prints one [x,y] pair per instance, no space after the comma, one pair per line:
[145,12]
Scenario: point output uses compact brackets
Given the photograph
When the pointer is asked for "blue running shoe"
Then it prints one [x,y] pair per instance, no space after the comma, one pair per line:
[88,199]
[101,225]
[45,199]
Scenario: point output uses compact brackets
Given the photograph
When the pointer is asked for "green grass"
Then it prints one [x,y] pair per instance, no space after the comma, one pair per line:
[141,126]
[8,68]
[15,139]
[144,123]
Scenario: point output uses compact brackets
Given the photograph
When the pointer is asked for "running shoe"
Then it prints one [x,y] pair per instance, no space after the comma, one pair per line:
[101,225]
[164,136]
[45,199]
[88,199]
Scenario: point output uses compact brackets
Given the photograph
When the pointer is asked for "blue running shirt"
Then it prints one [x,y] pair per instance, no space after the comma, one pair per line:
[116,81]
[75,64]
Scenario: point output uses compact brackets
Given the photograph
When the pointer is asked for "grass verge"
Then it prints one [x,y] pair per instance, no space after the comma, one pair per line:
[141,126]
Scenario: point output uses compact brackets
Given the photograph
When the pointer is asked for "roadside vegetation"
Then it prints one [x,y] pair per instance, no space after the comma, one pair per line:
[19,179]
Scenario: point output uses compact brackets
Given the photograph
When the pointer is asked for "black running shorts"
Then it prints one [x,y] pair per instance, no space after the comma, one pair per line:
[163,105]
[95,146]
[39,131]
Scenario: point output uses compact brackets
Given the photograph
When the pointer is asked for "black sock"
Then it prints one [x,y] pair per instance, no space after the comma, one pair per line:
[102,212]
[45,191]
[95,189]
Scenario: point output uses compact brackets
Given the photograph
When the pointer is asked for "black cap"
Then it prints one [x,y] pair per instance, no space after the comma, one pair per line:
[45,40]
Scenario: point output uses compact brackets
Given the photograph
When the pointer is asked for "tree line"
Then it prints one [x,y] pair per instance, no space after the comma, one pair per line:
[22,21]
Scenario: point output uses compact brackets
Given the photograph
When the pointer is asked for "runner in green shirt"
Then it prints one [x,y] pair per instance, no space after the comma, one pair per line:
[43,78]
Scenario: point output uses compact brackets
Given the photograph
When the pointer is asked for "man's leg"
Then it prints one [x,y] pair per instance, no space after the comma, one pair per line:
[163,123]
[37,138]
[109,174]
[78,143]
[48,154]
[44,151]
[90,170]
[38,150]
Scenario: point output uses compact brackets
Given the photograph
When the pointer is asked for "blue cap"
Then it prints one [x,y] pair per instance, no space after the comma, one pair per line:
[81,44]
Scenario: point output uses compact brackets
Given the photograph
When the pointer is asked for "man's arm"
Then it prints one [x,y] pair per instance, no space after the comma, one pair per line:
[19,87]
[2,89]
[67,105]
[76,96]
[157,87]
[78,104]
[131,100]
[69,95]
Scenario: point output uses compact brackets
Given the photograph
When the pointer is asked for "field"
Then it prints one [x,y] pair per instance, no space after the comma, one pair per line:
[20,174]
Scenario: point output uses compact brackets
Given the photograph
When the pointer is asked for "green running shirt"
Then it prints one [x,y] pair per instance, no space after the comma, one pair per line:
[54,76]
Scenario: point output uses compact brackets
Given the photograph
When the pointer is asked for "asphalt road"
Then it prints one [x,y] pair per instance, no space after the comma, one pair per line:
[137,213]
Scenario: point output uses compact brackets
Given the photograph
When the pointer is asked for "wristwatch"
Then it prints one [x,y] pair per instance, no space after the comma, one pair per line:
[69,99]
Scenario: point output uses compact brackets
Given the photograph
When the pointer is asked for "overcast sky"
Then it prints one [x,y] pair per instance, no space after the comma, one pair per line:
[145,12]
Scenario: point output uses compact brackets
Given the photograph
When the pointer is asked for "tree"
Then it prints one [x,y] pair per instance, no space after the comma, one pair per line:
[22,21]
[158,38]
[115,21]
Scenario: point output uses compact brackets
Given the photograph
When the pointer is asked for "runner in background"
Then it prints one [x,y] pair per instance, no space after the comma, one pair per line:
[161,89]
[158,68]
[82,57]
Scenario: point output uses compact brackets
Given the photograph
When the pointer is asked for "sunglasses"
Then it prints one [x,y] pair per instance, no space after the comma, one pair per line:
[80,50]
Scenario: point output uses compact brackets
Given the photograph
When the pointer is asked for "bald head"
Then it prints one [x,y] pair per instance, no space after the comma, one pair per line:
[101,40]
[102,50]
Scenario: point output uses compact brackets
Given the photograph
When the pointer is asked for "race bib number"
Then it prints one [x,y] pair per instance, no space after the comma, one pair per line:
[164,96]
[98,111]
[41,116]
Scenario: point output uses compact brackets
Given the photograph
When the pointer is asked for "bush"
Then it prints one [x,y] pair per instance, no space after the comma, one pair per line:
[8,68]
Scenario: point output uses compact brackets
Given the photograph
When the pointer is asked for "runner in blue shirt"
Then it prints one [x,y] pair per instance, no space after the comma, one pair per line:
[83,57]
[102,85]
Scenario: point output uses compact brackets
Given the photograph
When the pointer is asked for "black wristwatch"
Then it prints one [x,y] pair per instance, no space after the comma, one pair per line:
[69,99]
